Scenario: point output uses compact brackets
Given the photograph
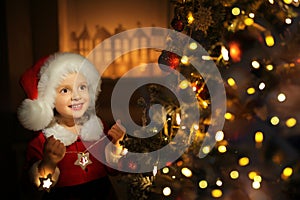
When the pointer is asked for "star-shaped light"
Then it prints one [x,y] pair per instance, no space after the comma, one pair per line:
[46,183]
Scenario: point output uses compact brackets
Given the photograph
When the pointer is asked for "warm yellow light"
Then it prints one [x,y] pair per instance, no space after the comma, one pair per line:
[269,40]
[222,149]
[259,137]
[251,15]
[269,67]
[288,1]
[255,185]
[190,18]
[287,172]
[281,97]
[184,84]
[219,136]
[184,60]
[235,11]
[243,161]
[167,191]
[251,175]
[257,178]
[291,122]
[193,45]
[206,149]
[255,64]
[231,82]
[229,116]
[234,174]
[186,172]
[203,184]
[248,21]
[250,90]
[274,120]
[288,20]
[216,193]
[165,170]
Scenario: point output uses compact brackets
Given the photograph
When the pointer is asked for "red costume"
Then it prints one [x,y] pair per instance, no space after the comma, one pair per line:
[81,174]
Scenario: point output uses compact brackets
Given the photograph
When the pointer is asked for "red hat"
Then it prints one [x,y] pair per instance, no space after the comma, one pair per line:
[40,82]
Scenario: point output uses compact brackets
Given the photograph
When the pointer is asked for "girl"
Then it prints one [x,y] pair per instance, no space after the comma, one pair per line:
[64,157]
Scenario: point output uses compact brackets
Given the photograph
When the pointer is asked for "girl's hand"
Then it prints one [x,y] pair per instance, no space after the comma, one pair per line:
[54,151]
[117,133]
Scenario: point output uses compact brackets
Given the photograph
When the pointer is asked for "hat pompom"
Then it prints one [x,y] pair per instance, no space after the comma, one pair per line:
[35,114]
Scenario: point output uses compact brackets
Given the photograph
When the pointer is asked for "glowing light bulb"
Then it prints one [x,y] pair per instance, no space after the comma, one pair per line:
[203,184]
[235,11]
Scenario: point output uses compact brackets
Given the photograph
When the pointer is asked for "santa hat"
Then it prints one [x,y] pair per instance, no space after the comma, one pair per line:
[40,83]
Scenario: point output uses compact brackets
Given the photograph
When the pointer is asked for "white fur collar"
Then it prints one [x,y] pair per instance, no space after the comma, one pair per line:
[91,130]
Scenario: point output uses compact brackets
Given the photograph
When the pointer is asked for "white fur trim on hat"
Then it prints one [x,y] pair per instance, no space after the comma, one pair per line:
[37,114]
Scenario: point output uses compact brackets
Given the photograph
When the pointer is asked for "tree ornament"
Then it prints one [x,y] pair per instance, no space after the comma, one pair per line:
[129,163]
[177,24]
[168,60]
[203,19]
[83,160]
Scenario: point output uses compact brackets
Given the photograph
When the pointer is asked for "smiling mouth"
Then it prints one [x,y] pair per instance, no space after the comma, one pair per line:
[76,106]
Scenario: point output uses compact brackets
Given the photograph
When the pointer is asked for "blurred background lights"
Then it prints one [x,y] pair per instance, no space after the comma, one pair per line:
[251,90]
[231,82]
[274,120]
[167,191]
[203,184]
[261,86]
[255,64]
[229,116]
[243,161]
[206,149]
[225,53]
[216,193]
[288,1]
[186,172]
[184,60]
[219,183]
[251,175]
[281,97]
[288,20]
[248,21]
[184,84]
[257,178]
[234,174]
[165,170]
[259,137]
[255,185]
[222,149]
[190,18]
[235,11]
[291,122]
[286,173]
[193,45]
[252,15]
[219,136]
[269,39]
[269,67]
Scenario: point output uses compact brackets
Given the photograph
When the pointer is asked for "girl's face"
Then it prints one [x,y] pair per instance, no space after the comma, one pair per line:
[72,97]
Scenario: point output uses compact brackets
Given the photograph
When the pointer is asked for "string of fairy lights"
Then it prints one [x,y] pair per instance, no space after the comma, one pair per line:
[233,51]
[186,20]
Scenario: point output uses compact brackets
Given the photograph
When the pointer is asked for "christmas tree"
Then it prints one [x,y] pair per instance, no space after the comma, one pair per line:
[254,46]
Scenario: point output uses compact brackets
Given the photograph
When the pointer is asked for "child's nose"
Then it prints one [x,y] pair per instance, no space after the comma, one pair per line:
[75,95]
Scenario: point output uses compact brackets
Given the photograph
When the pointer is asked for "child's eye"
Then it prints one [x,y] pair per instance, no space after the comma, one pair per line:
[64,90]
[82,87]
